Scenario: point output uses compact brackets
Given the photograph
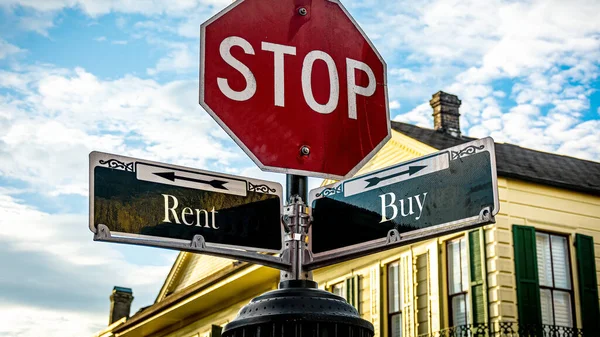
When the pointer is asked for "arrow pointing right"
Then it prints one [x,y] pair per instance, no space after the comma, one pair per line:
[411,170]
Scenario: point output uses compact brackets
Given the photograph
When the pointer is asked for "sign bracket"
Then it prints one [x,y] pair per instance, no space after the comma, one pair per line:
[296,221]
[394,239]
[197,245]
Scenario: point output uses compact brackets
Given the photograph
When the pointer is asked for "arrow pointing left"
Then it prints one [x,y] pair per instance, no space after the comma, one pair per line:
[172,177]
[208,181]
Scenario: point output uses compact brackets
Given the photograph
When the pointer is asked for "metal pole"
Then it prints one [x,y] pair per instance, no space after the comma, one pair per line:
[297,287]
[297,220]
[297,185]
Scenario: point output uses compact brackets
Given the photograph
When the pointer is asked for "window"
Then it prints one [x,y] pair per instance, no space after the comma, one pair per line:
[458,281]
[215,330]
[554,272]
[339,289]
[349,290]
[394,300]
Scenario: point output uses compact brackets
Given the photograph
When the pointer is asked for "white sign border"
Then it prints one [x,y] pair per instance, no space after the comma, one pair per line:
[122,162]
[462,224]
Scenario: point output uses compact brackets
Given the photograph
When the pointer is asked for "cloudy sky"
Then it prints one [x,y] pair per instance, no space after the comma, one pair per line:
[121,77]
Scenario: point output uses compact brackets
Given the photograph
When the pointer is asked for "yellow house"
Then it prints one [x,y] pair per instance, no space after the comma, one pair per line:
[532,273]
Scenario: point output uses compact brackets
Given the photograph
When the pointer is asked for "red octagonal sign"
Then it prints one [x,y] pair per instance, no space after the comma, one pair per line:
[281,76]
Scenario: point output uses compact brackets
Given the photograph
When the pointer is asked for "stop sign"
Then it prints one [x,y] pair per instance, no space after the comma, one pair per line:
[297,84]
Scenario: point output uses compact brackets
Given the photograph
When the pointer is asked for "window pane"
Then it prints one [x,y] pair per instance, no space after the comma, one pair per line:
[562,308]
[400,287]
[394,287]
[560,262]
[464,265]
[546,301]
[543,259]
[422,294]
[339,289]
[396,325]
[454,268]
[459,310]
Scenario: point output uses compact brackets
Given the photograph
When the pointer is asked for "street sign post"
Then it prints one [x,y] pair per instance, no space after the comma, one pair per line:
[147,203]
[444,192]
[296,84]
[302,90]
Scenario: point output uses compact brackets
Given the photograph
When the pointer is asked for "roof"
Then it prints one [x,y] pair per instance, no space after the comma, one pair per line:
[170,301]
[521,163]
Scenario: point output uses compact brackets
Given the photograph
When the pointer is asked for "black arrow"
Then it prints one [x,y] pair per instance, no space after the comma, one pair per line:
[411,170]
[172,177]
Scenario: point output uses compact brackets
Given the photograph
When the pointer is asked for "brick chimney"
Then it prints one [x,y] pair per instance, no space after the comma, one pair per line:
[445,113]
[120,304]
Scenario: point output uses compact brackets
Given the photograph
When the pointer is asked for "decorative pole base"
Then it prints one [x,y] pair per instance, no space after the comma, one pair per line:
[298,308]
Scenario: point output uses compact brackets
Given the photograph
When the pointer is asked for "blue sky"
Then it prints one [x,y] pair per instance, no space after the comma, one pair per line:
[121,77]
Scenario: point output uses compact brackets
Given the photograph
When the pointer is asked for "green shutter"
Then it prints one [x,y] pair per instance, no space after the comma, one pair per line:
[215,331]
[356,293]
[349,290]
[352,290]
[526,272]
[588,285]
[477,271]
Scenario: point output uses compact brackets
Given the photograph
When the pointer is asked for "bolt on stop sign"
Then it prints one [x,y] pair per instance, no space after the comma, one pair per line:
[297,84]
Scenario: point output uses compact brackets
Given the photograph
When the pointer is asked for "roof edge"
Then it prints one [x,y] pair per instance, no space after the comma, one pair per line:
[171,276]
[170,301]
[581,188]
[558,184]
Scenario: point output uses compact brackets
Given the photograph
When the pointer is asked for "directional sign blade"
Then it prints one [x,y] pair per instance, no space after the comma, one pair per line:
[439,193]
[153,202]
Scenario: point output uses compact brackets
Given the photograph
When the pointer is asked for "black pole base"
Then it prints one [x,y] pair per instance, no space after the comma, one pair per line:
[298,309]
[298,284]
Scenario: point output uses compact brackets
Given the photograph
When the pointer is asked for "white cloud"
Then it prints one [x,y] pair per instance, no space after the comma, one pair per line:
[62,170]
[405,74]
[40,15]
[121,22]
[39,22]
[431,43]
[180,59]
[7,49]
[151,27]
[421,116]
[96,8]
[62,278]
[394,105]
[546,51]
[45,137]
[20,320]
[539,35]
[499,93]
[118,42]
